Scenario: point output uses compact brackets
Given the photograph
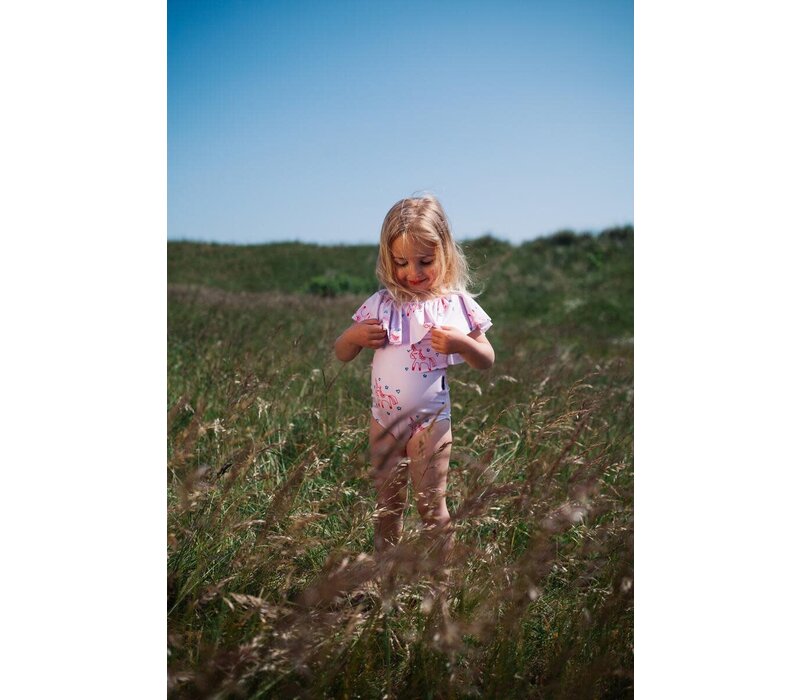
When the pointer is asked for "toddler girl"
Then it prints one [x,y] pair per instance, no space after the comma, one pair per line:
[422,321]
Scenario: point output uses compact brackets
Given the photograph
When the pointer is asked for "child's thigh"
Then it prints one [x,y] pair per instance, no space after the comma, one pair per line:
[386,455]
[429,456]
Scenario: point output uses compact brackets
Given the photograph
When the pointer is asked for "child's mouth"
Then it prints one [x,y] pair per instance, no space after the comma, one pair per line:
[417,281]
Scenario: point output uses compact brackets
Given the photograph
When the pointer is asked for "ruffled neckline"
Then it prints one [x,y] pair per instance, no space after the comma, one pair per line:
[415,317]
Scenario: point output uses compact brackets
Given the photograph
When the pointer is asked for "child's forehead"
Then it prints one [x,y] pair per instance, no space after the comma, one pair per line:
[408,247]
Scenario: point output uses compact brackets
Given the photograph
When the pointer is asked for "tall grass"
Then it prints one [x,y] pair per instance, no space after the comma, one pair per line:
[273,589]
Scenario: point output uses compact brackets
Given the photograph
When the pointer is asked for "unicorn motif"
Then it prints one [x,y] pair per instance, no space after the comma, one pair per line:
[382,400]
[418,360]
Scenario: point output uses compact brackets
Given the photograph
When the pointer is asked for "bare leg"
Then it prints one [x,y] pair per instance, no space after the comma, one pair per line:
[389,476]
[429,455]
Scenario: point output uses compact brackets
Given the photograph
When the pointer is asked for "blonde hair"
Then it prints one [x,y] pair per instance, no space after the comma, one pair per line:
[423,220]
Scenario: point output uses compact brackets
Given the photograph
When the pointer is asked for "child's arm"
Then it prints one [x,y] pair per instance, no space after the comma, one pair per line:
[475,348]
[367,334]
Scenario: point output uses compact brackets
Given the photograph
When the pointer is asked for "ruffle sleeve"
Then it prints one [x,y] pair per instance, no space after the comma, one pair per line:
[370,308]
[465,314]
[476,316]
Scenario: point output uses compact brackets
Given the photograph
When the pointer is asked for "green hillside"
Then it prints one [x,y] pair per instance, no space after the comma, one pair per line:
[577,287]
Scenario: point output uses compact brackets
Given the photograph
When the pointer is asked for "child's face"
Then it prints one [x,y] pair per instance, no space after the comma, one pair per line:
[416,264]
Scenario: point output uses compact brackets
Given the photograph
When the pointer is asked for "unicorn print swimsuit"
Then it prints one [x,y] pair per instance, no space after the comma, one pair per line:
[409,383]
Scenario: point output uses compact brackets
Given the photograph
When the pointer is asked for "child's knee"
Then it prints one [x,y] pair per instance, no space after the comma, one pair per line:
[432,508]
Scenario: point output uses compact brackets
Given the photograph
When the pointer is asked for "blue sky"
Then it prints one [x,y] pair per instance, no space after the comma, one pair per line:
[307,120]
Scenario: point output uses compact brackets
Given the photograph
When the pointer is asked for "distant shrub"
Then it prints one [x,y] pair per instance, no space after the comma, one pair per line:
[486,242]
[333,284]
[623,234]
[563,238]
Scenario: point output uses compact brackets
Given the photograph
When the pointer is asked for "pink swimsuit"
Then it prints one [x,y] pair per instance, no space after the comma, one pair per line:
[409,386]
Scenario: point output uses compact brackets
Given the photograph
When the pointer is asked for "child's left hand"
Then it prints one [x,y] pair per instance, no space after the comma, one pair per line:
[447,340]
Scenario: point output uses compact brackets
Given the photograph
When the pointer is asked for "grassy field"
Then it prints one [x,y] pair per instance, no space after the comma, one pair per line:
[272,588]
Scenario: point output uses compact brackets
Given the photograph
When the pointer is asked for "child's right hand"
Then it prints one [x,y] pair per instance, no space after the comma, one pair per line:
[368,334]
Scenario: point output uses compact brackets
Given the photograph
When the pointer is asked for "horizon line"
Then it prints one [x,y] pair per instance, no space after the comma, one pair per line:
[488,234]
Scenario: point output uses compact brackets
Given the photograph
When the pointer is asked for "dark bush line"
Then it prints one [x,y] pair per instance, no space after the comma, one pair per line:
[333,284]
